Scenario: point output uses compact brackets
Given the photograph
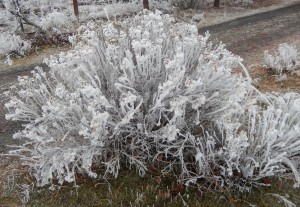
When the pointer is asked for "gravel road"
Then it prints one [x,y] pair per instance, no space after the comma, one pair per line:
[250,36]
[247,37]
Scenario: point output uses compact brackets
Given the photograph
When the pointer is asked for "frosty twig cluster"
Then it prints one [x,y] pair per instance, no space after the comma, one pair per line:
[286,58]
[11,43]
[149,89]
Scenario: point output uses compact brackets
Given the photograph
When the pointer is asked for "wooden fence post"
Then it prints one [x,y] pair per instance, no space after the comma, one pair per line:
[146,4]
[76,12]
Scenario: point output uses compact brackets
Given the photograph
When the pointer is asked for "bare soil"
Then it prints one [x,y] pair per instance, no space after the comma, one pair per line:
[266,3]
[265,80]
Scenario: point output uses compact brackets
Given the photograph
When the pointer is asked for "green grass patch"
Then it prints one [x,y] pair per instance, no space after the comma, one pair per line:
[152,190]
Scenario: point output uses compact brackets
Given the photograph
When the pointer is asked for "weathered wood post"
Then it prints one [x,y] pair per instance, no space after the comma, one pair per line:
[75,6]
[146,4]
[217,3]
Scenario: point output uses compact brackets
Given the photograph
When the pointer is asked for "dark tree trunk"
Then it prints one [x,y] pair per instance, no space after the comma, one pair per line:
[146,4]
[217,3]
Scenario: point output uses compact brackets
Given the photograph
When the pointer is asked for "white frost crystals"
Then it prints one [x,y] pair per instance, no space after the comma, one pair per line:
[147,89]
[264,141]
[286,58]
[12,43]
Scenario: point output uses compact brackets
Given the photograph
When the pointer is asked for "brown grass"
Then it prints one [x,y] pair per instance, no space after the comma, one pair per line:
[265,80]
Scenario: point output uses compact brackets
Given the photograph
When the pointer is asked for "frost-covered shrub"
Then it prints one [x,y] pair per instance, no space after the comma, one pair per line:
[38,16]
[57,22]
[198,17]
[286,58]
[263,140]
[12,43]
[57,16]
[126,90]
[8,21]
[146,90]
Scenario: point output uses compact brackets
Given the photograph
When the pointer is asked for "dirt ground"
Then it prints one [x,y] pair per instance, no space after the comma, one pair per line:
[265,81]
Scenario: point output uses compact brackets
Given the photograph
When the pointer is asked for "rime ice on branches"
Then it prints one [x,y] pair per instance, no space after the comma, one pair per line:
[145,89]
